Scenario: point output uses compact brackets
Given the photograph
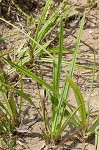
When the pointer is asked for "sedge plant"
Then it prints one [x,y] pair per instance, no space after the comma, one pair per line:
[61,113]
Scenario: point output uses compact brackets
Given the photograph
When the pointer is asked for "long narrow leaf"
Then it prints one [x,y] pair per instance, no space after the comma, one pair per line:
[25,96]
[31,75]
[57,71]
[42,18]
[62,102]
[60,55]
[91,87]
[4,108]
[4,93]
[66,85]
[80,100]
[65,123]
[28,36]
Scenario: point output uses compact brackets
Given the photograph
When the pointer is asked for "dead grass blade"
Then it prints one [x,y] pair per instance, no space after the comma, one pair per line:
[76,132]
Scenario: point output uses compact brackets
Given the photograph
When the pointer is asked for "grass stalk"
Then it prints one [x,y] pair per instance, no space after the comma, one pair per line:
[91,87]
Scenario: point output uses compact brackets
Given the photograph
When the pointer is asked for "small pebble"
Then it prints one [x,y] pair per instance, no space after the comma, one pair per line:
[90,31]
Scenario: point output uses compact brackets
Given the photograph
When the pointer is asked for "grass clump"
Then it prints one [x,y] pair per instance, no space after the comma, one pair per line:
[61,112]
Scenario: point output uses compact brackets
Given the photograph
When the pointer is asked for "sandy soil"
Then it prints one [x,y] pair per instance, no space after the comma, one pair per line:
[35,140]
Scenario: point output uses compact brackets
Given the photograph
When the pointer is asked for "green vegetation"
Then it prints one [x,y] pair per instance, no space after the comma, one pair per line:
[62,113]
